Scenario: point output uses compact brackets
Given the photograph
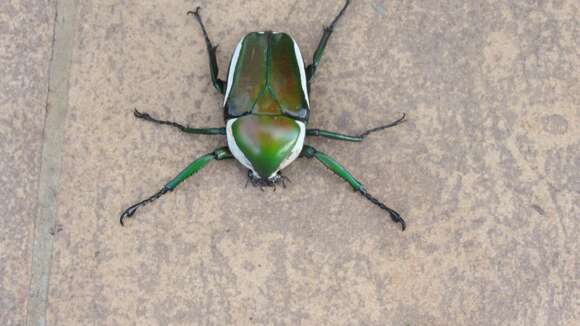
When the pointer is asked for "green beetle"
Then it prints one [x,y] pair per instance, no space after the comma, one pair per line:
[266,110]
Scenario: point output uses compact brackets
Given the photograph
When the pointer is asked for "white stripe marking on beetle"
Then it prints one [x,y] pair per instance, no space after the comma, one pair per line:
[300,61]
[233,64]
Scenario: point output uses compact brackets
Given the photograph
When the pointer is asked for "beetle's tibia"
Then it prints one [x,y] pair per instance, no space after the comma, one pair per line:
[327,31]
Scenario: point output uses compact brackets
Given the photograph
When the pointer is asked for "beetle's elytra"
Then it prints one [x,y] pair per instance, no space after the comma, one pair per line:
[266,111]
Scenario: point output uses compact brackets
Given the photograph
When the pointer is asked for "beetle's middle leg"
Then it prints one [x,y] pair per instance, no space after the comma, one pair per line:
[311,69]
[219,84]
[354,138]
[221,153]
[189,130]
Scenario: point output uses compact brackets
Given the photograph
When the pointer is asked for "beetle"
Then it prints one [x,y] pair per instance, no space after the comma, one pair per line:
[266,110]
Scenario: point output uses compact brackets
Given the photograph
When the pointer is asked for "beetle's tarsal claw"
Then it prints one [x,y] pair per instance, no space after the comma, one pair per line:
[141,115]
[194,12]
[403,225]
[127,213]
[396,217]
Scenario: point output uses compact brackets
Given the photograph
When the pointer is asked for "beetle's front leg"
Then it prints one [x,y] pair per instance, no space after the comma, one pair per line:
[219,84]
[334,166]
[354,138]
[218,154]
[189,130]
[311,69]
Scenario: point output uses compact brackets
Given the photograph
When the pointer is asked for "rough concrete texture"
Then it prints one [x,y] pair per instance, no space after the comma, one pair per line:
[486,171]
[25,38]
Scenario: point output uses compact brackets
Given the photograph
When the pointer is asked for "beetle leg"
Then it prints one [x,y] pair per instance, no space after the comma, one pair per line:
[211,50]
[283,179]
[327,31]
[354,138]
[186,129]
[332,165]
[221,153]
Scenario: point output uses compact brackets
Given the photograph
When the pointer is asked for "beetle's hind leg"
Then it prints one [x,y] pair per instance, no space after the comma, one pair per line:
[334,166]
[353,138]
[311,69]
[219,84]
[186,129]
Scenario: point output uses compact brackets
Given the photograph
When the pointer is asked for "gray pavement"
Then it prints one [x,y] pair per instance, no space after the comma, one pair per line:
[485,170]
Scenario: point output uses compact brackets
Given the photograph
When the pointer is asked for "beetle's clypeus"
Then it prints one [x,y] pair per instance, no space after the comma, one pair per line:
[266,110]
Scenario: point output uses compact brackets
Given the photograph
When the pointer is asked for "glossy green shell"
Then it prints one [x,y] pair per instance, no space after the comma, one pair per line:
[266,105]
[267,77]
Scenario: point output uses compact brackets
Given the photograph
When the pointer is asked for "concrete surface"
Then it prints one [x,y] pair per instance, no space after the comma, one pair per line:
[26,31]
[486,170]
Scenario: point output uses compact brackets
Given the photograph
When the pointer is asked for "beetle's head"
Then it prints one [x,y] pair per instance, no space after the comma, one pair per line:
[259,181]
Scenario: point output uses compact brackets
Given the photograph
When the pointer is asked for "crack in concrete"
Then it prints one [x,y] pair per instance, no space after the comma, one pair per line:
[52,149]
